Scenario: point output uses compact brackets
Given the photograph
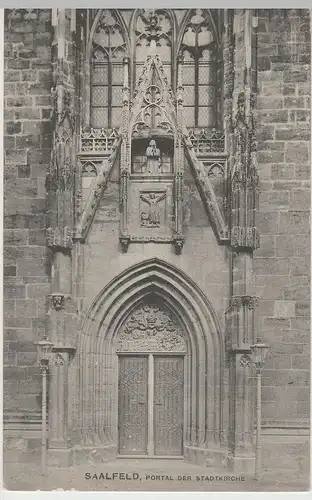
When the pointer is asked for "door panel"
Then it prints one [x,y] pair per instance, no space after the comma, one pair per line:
[132,405]
[168,405]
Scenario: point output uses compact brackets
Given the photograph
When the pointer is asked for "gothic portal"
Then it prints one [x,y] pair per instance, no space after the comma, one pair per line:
[165,184]
[156,349]
[133,232]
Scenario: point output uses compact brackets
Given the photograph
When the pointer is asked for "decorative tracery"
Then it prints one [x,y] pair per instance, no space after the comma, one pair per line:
[108,52]
[153,27]
[199,76]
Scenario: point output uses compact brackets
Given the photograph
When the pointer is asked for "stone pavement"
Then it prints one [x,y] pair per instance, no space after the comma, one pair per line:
[146,475]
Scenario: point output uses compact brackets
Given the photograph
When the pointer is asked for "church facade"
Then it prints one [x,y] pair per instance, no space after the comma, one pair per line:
[156,225]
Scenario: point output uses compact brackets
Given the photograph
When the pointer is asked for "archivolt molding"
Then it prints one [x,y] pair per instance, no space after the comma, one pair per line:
[99,339]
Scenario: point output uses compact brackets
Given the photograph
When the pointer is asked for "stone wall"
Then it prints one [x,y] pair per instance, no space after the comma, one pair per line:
[281,264]
[27,145]
[103,258]
[281,275]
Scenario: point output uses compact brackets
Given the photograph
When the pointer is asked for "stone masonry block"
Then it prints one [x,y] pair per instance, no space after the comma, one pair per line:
[31,267]
[14,322]
[302,307]
[270,266]
[14,291]
[284,308]
[267,246]
[274,200]
[282,171]
[267,102]
[294,102]
[268,222]
[26,308]
[27,114]
[21,187]
[9,271]
[279,116]
[18,334]
[301,361]
[299,378]
[26,358]
[13,128]
[300,199]
[294,222]
[297,152]
[37,237]
[297,293]
[265,133]
[16,156]
[296,76]
[300,266]
[271,156]
[293,245]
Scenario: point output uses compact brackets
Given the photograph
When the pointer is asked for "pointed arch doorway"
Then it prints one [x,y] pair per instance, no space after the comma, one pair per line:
[151,327]
[151,382]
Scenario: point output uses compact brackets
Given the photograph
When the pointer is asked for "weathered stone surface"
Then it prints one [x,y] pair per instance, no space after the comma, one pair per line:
[24,234]
[284,308]
[294,222]
[280,265]
[286,77]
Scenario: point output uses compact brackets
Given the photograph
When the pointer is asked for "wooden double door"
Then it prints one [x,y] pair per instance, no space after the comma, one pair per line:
[150,405]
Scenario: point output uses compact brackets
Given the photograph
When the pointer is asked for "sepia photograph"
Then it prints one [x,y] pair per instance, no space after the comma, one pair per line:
[156,242]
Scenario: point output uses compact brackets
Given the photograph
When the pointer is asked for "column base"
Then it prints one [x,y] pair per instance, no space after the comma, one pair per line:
[209,457]
[90,455]
[60,457]
[241,464]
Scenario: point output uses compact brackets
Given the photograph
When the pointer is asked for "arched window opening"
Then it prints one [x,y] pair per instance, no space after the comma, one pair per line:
[108,52]
[199,48]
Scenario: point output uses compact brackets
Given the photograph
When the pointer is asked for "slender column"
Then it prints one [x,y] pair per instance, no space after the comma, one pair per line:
[124,237]
[244,236]
[59,442]
[44,371]
[59,186]
[258,425]
[178,238]
[150,432]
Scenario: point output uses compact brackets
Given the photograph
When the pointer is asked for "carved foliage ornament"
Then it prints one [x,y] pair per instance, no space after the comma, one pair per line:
[58,360]
[244,362]
[153,25]
[150,328]
[58,301]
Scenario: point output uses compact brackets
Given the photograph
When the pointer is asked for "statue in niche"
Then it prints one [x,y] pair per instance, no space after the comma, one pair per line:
[152,154]
[152,217]
[151,161]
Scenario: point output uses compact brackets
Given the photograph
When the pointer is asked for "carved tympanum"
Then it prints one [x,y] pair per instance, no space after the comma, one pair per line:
[151,328]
